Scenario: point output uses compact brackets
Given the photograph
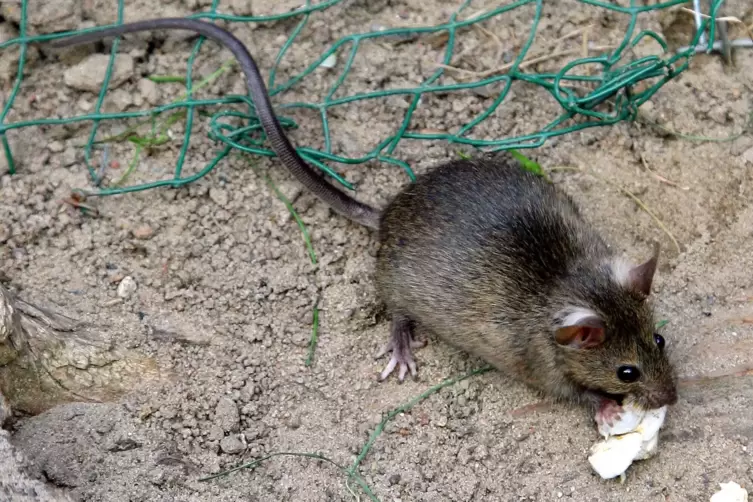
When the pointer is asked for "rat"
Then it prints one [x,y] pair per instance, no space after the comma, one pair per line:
[494,260]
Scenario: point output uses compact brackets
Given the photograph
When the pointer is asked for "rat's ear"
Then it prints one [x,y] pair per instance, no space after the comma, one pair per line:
[580,329]
[641,276]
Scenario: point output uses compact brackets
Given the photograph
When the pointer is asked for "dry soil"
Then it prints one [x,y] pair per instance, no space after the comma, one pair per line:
[225,288]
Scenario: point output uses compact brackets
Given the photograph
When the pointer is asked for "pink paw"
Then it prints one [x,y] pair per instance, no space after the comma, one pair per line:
[402,357]
[608,413]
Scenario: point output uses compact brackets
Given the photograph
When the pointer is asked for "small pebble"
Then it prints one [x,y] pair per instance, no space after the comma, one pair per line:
[149,91]
[218,196]
[55,146]
[143,232]
[227,415]
[89,74]
[232,445]
[127,287]
[157,478]
[119,100]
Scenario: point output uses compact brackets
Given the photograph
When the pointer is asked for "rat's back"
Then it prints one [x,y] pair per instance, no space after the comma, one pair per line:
[474,250]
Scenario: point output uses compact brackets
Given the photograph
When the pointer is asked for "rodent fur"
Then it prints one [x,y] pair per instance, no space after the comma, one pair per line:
[491,258]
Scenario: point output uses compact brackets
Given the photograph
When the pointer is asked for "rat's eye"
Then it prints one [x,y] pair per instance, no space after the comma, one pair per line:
[628,374]
[659,340]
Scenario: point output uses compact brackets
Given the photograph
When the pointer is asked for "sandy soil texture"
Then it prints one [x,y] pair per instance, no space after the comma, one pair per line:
[225,289]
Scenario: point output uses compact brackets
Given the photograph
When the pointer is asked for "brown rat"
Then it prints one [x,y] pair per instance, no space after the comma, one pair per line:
[500,263]
[497,262]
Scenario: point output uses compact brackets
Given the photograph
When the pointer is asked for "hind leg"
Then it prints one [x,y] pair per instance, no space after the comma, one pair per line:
[401,345]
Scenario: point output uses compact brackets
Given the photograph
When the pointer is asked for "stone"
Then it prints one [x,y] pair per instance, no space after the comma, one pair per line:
[143,232]
[226,415]
[127,287]
[89,74]
[149,91]
[232,445]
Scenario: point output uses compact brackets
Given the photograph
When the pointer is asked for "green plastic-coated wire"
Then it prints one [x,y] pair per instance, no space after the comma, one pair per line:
[612,96]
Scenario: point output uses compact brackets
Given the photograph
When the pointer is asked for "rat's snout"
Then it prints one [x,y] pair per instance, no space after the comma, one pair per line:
[666,396]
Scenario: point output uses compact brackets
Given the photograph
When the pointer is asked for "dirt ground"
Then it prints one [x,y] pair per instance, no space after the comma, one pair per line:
[225,289]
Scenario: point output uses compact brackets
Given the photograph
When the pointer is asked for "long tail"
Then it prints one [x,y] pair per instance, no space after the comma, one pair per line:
[311,179]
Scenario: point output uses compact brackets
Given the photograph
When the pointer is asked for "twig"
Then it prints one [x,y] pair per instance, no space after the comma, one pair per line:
[725,45]
[643,206]
[495,38]
[726,19]
[568,36]
[79,204]
[554,44]
[525,64]
[660,177]
[528,408]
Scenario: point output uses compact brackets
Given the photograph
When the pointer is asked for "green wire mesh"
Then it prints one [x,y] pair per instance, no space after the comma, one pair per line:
[617,85]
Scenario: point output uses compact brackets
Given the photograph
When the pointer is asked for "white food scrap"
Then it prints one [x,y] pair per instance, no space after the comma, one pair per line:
[634,437]
[730,492]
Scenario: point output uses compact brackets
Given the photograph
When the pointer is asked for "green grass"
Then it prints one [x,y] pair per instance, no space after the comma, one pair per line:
[167,79]
[528,164]
[351,472]
[158,134]
[314,335]
[294,214]
[313,341]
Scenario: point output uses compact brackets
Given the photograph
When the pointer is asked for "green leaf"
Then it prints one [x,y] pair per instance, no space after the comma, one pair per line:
[528,164]
[167,79]
[661,324]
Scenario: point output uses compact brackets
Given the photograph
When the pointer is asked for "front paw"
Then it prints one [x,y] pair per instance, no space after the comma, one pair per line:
[608,413]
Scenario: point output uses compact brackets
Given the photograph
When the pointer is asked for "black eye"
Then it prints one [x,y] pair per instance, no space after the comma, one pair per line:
[659,340]
[628,374]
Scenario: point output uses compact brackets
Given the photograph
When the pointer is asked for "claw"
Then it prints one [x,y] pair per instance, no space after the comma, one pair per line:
[401,344]
[403,371]
[390,367]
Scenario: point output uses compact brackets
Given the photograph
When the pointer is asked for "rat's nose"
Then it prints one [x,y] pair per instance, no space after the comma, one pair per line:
[670,397]
[663,397]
